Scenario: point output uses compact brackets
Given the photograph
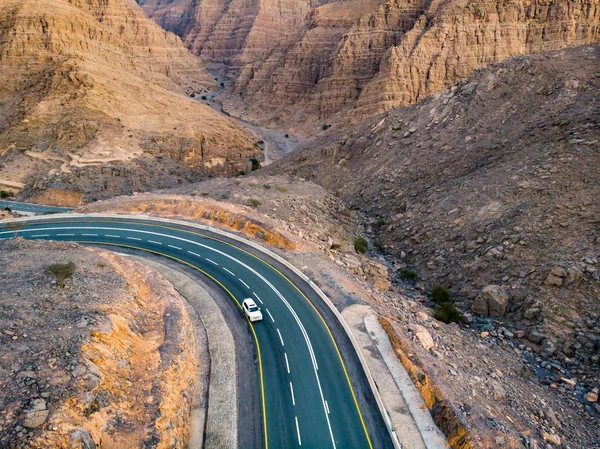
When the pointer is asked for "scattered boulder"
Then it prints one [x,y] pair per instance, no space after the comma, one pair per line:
[592,396]
[423,336]
[82,439]
[532,313]
[535,336]
[493,300]
[377,274]
[556,276]
[35,414]
[548,349]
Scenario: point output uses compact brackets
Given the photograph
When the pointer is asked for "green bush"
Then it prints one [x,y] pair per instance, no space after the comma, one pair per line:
[281,189]
[254,202]
[381,222]
[325,127]
[222,85]
[361,245]
[379,246]
[4,194]
[267,186]
[61,271]
[287,136]
[440,293]
[447,313]
[407,274]
[204,97]
[335,246]
[255,164]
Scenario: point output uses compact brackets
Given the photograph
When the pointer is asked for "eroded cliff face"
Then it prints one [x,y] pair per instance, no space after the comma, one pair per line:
[314,62]
[87,83]
[448,41]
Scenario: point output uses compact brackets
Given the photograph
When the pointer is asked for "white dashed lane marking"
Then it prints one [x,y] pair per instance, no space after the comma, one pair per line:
[280,338]
[133,238]
[298,430]
[292,390]
[230,272]
[259,300]
[174,247]
[212,261]
[270,316]
[247,286]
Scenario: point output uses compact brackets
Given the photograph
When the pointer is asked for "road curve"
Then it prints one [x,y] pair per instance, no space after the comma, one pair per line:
[313,392]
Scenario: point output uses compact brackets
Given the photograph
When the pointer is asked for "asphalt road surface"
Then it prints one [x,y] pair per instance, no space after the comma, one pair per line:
[36,209]
[313,392]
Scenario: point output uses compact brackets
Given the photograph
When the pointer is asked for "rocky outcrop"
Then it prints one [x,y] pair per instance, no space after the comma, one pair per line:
[89,83]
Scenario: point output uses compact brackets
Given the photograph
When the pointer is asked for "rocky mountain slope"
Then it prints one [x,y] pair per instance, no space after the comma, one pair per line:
[85,84]
[303,64]
[490,188]
[107,361]
[481,381]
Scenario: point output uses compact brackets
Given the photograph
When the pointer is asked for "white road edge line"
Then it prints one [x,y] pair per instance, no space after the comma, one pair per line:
[172,246]
[298,430]
[260,276]
[260,300]
[287,364]
[281,338]
[156,243]
[293,398]
[230,272]
[212,261]
[272,319]
[247,286]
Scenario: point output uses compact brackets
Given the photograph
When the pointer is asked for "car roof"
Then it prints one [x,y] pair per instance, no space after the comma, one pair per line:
[249,301]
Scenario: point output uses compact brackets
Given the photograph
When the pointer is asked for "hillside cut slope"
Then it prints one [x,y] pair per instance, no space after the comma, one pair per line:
[492,182]
[87,83]
[302,64]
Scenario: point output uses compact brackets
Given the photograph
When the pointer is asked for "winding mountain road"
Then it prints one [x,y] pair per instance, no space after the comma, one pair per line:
[313,390]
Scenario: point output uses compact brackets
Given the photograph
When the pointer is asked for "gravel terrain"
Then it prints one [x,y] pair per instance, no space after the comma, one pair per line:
[107,361]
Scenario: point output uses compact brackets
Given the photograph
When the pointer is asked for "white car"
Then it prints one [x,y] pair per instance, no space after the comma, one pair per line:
[251,310]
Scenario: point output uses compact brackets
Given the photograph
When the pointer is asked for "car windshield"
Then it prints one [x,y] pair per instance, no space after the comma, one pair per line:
[252,309]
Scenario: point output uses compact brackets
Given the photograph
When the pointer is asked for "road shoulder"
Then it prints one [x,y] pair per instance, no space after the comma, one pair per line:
[216,419]
[410,419]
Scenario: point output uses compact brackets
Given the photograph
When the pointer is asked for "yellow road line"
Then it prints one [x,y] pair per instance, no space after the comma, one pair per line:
[274,269]
[260,368]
